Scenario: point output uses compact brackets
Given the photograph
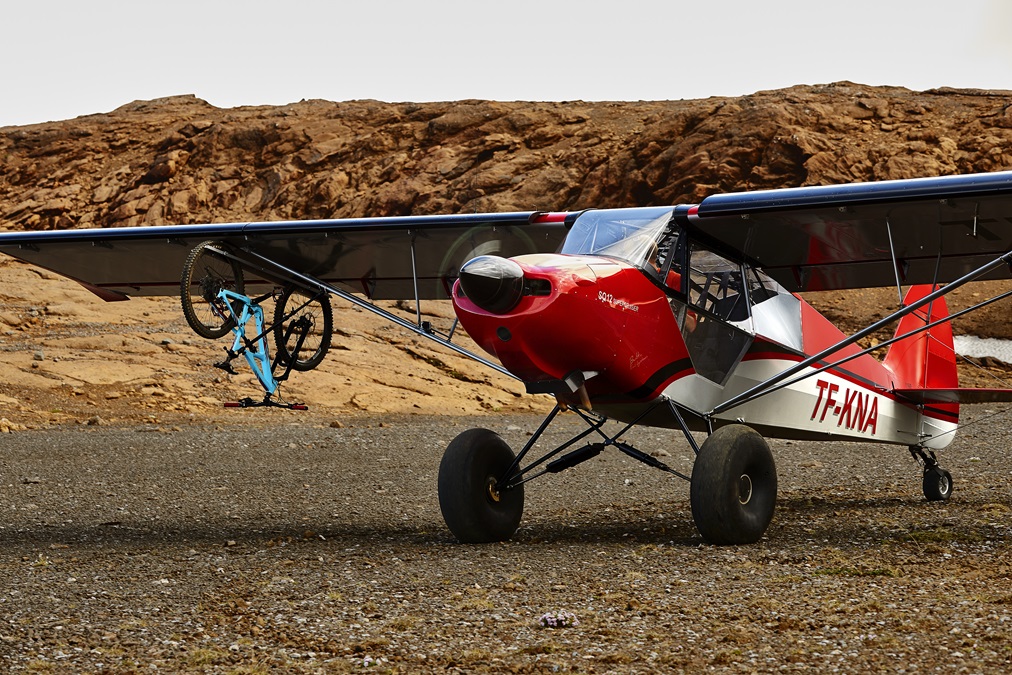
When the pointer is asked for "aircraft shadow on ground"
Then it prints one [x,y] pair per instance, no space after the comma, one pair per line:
[899,519]
[798,519]
[238,535]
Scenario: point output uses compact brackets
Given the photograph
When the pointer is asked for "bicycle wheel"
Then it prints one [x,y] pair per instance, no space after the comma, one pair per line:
[315,309]
[204,274]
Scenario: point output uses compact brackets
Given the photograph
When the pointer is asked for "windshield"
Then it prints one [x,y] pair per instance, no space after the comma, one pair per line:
[627,234]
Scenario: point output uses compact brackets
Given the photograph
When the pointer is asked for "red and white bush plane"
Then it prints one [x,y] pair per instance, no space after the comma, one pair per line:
[685,317]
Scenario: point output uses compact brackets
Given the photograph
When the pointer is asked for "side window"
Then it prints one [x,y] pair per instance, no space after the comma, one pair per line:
[716,285]
[761,287]
[716,325]
[776,314]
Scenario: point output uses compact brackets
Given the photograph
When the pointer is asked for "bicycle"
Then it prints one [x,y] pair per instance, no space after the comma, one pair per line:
[214,303]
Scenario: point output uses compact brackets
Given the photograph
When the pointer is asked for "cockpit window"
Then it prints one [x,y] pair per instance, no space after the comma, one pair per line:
[627,234]
[715,285]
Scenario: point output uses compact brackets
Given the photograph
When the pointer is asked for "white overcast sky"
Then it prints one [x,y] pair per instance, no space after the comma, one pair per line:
[65,58]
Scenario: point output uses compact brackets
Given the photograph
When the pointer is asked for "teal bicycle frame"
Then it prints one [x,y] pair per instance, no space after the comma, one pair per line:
[255,350]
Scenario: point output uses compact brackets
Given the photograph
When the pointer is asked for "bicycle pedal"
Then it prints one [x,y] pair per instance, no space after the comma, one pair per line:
[227,367]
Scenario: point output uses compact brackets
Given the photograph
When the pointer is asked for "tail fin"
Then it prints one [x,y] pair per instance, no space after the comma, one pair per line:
[925,360]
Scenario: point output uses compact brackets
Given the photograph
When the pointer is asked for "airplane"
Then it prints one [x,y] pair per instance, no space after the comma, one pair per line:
[685,317]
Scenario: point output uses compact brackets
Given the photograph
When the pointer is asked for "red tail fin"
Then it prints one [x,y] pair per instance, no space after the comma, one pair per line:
[925,360]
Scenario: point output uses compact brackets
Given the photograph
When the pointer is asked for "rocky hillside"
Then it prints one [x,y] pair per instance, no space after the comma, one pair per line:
[181,160]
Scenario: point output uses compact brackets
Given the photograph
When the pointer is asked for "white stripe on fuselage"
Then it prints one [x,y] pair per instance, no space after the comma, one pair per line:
[825,405]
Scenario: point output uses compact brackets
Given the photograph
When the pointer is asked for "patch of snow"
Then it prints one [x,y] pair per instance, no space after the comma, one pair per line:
[976,347]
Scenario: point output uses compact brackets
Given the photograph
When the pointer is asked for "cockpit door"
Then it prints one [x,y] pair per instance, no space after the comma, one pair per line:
[716,321]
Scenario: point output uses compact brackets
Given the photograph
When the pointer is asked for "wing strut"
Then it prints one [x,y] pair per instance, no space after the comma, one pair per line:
[273,270]
[414,280]
[766,386]
[896,264]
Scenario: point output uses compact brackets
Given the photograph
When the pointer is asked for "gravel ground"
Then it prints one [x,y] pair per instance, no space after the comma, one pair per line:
[306,548]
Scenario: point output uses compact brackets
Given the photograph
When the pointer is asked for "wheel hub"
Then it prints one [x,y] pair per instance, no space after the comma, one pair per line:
[744,489]
[491,490]
[209,288]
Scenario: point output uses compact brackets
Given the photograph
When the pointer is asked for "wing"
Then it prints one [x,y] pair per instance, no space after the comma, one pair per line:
[382,258]
[848,236]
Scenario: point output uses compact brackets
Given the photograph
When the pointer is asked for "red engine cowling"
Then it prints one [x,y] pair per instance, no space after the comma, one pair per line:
[546,317]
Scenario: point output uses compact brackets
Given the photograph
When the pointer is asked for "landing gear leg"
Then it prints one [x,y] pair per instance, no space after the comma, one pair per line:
[937,483]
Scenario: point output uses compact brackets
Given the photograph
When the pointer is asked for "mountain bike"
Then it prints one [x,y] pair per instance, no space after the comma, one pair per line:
[214,304]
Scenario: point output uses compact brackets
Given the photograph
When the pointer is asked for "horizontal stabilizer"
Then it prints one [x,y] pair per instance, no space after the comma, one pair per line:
[955,395]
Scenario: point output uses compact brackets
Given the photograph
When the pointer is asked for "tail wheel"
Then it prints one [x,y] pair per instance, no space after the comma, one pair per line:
[937,484]
[205,273]
[474,506]
[733,490]
[316,312]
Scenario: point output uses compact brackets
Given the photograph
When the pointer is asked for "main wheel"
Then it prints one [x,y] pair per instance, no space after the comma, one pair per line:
[733,490]
[320,317]
[473,506]
[205,273]
[937,484]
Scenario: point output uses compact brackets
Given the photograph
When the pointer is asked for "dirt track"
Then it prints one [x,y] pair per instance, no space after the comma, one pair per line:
[316,549]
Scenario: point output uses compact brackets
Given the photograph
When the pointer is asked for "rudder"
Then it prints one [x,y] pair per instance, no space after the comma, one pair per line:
[927,359]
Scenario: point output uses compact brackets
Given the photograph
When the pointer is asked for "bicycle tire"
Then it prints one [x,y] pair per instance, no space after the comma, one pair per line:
[205,272]
[317,341]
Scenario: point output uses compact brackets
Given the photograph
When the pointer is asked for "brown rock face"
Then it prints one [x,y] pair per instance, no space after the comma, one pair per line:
[181,160]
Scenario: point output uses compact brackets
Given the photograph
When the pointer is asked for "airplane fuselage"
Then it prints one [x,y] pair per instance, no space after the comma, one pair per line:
[601,332]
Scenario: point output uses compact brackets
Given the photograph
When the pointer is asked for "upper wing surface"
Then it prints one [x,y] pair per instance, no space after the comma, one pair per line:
[379,257]
[843,236]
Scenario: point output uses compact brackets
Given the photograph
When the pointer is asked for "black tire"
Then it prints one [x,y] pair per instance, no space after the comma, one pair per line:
[733,490]
[204,274]
[321,327]
[473,509]
[937,484]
